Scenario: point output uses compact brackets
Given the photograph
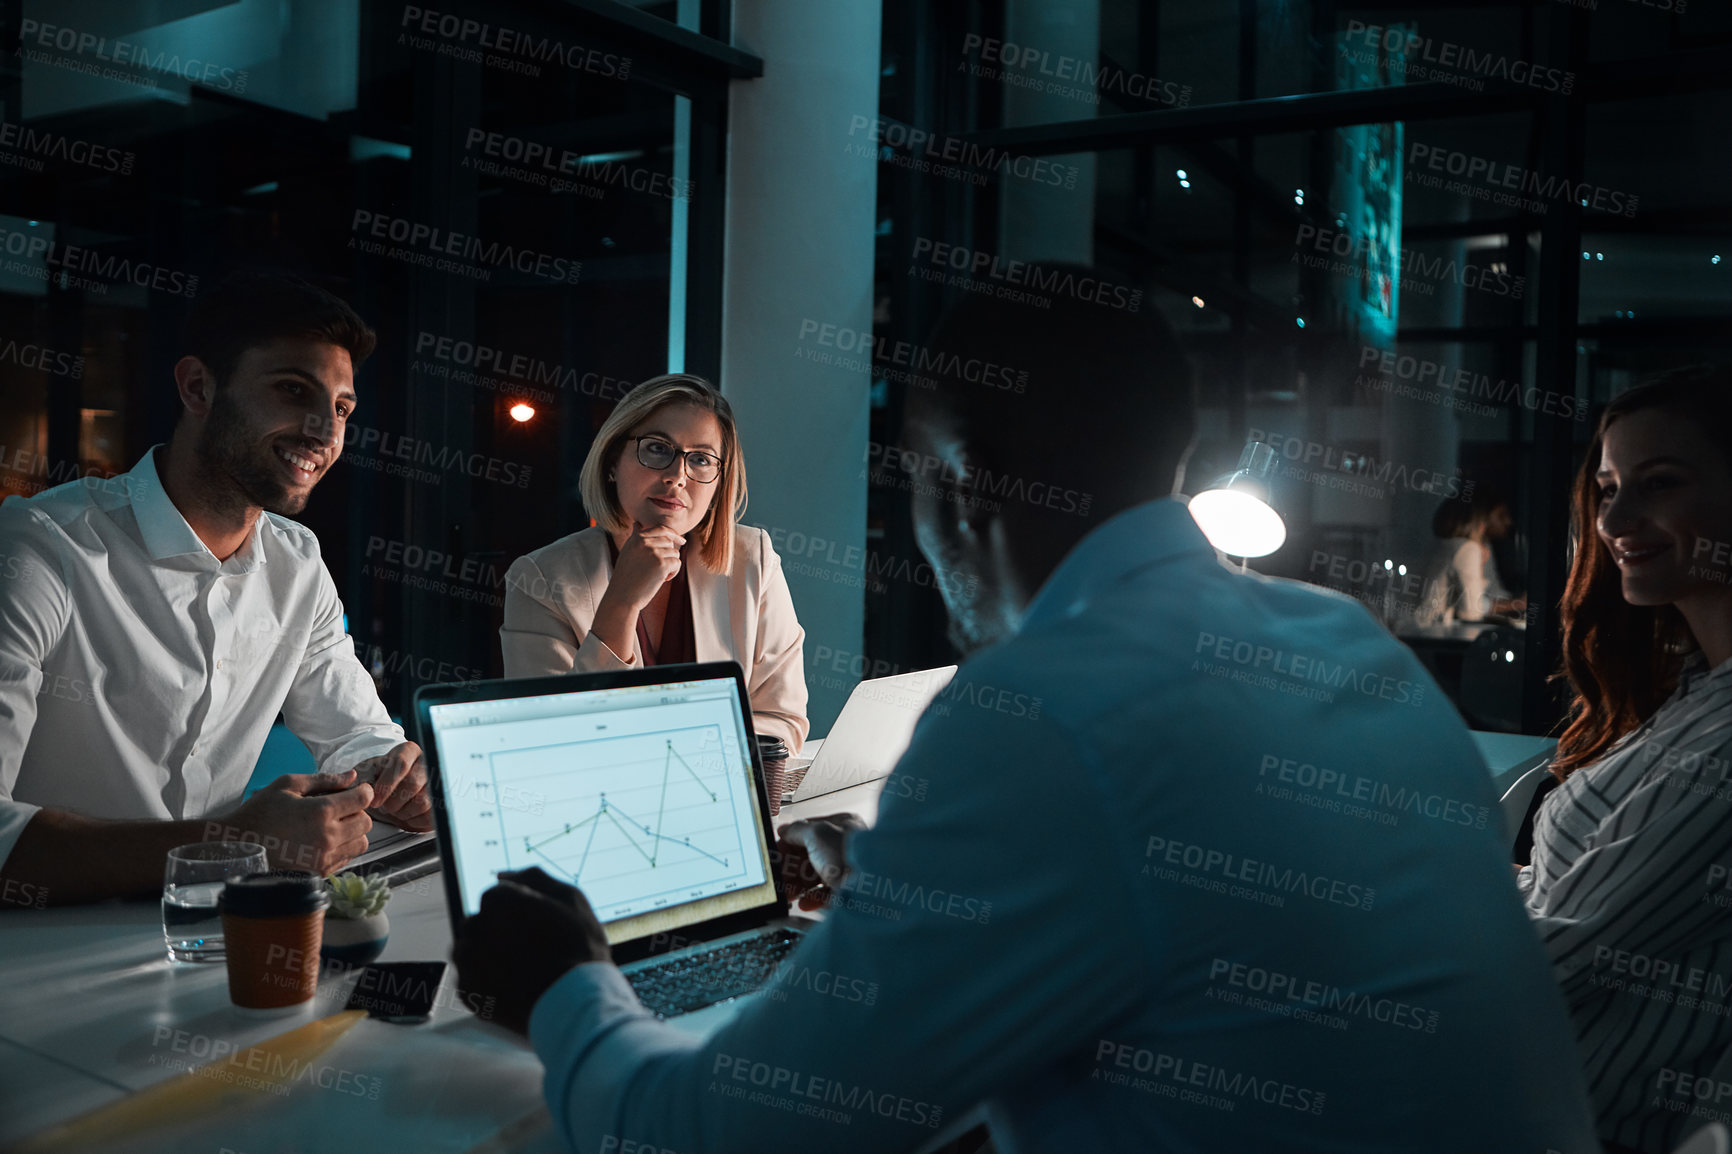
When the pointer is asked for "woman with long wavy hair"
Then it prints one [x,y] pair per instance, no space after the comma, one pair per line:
[1627,887]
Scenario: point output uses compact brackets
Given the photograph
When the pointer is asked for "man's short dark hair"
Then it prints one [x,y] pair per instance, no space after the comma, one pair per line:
[254,307]
[1087,381]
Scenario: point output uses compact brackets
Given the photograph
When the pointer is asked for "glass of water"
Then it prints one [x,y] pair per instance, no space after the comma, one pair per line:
[192,927]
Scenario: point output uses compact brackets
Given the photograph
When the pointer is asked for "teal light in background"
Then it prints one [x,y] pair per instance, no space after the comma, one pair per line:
[366,148]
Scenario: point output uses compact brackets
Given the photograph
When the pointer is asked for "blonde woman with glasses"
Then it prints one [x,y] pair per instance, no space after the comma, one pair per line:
[667,574]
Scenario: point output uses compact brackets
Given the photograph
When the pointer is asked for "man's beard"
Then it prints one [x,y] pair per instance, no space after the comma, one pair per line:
[227,447]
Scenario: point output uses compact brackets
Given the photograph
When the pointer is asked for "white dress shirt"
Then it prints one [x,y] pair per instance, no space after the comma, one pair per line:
[1143,920]
[139,675]
[1461,583]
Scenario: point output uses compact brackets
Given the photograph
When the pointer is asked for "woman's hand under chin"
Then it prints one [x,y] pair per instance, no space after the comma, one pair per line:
[649,559]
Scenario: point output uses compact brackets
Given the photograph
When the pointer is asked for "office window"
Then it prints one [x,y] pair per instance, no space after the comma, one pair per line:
[525,203]
[1415,278]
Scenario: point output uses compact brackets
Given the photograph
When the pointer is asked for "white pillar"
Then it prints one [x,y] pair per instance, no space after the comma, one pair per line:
[800,222]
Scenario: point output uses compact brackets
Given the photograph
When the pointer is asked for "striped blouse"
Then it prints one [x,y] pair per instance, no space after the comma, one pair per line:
[1631,892]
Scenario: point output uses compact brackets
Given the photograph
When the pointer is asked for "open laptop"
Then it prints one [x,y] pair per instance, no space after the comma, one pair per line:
[872,732]
[641,787]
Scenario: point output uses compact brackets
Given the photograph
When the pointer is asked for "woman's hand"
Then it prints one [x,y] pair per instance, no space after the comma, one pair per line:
[649,559]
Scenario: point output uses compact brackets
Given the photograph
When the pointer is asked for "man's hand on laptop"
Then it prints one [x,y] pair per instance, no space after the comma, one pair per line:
[531,931]
[399,781]
[814,857]
[309,821]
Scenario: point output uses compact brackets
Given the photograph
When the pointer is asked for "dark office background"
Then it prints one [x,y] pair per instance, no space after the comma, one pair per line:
[1415,245]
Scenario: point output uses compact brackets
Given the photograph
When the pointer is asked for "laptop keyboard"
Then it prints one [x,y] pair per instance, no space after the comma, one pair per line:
[696,980]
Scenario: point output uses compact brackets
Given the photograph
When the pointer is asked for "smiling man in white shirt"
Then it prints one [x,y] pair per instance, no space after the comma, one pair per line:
[154,624]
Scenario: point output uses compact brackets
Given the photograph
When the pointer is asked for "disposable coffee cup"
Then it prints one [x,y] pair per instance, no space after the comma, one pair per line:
[274,923]
[773,753]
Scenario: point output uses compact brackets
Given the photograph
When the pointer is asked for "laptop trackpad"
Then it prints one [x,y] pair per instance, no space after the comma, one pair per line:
[702,1023]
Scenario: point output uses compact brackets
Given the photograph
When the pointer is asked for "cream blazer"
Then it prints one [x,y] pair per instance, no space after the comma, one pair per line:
[746,616]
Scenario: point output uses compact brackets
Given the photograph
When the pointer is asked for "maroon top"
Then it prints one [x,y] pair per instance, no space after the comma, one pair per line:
[679,637]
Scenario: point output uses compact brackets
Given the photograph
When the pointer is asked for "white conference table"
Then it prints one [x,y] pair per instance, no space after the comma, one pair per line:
[91,1011]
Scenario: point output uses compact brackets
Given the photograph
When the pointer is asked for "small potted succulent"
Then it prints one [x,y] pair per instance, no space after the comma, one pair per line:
[355,923]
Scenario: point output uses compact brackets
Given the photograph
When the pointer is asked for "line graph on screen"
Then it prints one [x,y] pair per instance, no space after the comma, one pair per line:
[626,817]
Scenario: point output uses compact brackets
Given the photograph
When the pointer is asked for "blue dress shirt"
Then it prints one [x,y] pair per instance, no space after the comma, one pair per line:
[1237,884]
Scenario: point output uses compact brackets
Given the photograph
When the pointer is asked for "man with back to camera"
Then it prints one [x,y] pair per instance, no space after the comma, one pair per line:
[156,624]
[1194,904]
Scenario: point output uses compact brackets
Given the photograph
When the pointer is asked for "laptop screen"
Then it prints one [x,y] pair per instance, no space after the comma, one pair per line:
[642,796]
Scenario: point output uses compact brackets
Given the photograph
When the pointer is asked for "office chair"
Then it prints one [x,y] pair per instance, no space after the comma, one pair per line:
[1518,797]
[1713,1138]
[1491,681]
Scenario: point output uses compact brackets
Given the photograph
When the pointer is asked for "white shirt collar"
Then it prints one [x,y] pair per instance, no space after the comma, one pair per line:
[165,531]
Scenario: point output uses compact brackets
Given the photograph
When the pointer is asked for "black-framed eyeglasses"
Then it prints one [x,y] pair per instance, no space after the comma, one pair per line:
[655,453]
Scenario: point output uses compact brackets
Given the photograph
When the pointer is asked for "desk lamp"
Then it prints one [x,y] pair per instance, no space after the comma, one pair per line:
[1235,512]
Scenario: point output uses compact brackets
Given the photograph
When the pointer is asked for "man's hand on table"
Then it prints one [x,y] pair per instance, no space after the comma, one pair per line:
[531,931]
[399,781]
[309,821]
[813,855]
